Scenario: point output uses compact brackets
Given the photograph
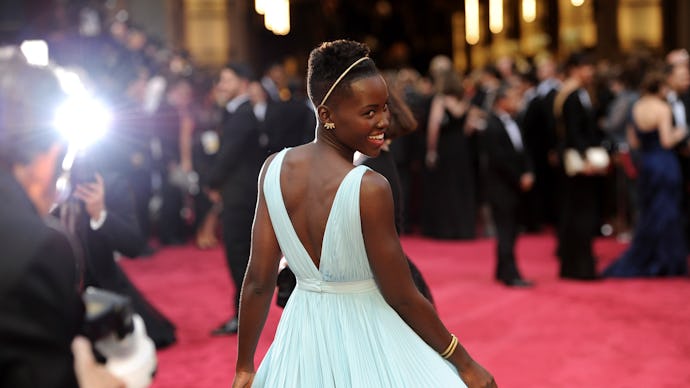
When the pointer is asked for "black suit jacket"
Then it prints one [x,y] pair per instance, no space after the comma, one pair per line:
[119,233]
[539,127]
[685,100]
[579,125]
[288,124]
[504,164]
[40,306]
[237,165]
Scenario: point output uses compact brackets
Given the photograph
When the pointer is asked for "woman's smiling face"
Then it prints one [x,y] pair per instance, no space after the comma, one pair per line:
[361,115]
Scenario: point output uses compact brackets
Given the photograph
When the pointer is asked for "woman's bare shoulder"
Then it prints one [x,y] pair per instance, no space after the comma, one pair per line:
[375,188]
[298,154]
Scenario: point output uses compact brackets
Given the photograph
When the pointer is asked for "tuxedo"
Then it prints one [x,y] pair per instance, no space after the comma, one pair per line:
[235,173]
[119,232]
[40,305]
[680,108]
[506,161]
[288,124]
[539,128]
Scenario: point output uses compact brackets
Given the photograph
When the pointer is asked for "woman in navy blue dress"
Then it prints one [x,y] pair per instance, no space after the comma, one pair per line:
[658,248]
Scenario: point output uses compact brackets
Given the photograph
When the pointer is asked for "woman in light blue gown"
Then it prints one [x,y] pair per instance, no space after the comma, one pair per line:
[355,318]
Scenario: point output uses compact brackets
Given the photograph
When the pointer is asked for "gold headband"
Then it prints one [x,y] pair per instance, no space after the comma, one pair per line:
[360,60]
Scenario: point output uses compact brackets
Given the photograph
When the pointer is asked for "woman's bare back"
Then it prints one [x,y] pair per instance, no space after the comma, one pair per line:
[648,113]
[309,179]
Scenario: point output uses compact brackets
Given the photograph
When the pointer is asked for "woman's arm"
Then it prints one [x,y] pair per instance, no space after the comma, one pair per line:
[434,130]
[393,277]
[259,283]
[668,135]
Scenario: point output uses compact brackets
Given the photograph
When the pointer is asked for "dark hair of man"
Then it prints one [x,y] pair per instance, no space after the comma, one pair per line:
[328,61]
[502,92]
[242,70]
[492,70]
[29,97]
[578,59]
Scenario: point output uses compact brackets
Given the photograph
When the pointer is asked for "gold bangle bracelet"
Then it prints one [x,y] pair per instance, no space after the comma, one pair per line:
[451,347]
[452,350]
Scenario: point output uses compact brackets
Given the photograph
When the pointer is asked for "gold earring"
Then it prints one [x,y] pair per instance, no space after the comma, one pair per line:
[330,126]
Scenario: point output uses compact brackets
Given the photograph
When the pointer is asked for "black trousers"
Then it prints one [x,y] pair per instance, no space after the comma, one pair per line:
[237,235]
[140,182]
[578,222]
[172,228]
[505,216]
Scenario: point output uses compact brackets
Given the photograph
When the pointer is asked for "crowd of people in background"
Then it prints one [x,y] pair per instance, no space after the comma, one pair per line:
[456,178]
[575,147]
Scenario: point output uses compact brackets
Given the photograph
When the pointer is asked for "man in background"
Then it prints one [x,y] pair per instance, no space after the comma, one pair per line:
[509,177]
[678,97]
[233,178]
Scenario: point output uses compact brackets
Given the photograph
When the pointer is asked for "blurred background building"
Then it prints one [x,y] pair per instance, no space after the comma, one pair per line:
[401,32]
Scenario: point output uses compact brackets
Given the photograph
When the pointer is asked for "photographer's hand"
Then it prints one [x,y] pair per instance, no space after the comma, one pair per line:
[214,196]
[89,373]
[93,195]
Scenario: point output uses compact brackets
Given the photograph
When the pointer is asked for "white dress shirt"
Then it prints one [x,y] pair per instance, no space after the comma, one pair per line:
[679,114]
[235,103]
[513,130]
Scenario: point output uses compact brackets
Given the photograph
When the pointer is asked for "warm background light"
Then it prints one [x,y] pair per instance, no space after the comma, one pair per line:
[577,3]
[496,16]
[472,21]
[529,10]
[276,15]
[260,6]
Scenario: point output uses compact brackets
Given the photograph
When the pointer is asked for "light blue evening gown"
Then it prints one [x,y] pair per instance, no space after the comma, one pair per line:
[336,329]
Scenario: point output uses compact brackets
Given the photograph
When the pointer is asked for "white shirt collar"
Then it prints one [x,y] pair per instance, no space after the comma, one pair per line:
[512,129]
[236,102]
[547,85]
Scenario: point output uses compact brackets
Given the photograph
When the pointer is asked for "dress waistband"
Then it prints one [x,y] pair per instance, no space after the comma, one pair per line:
[355,287]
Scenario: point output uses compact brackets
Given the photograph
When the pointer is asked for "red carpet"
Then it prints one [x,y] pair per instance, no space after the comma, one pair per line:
[613,333]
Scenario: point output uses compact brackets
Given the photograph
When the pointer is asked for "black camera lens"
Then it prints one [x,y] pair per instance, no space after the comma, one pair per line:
[107,313]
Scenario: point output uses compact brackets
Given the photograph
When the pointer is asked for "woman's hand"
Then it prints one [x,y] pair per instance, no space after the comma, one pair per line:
[475,376]
[243,379]
[431,159]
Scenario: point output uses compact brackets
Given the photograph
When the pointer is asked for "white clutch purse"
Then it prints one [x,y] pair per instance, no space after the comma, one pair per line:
[573,163]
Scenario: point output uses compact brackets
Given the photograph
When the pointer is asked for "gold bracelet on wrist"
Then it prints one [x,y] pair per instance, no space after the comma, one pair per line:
[451,347]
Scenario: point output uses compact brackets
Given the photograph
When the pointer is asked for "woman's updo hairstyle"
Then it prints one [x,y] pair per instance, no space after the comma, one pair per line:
[653,82]
[328,61]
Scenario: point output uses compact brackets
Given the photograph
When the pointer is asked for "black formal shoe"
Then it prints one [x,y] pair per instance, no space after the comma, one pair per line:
[517,283]
[227,328]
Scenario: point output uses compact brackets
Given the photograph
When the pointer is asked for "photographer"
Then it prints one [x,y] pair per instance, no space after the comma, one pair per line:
[103,213]
[41,311]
